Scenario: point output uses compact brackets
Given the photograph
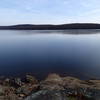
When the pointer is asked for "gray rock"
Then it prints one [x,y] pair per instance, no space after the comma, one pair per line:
[48,95]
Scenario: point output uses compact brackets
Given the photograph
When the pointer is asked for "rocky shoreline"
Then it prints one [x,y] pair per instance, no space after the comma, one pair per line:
[54,87]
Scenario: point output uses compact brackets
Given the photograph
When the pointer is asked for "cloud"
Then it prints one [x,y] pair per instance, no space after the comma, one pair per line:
[49,11]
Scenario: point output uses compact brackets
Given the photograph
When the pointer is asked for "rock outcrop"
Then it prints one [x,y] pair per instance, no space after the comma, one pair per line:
[54,87]
[52,82]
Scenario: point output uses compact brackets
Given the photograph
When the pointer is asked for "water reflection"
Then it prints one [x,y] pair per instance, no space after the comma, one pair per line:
[43,52]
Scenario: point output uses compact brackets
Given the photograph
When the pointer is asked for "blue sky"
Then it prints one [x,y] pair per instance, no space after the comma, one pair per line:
[49,11]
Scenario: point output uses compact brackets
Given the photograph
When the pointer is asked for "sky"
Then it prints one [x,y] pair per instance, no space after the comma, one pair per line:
[49,11]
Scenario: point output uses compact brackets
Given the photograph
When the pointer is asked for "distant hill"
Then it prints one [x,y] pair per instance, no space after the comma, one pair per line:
[51,27]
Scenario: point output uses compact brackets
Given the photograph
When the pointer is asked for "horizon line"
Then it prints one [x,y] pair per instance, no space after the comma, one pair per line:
[52,24]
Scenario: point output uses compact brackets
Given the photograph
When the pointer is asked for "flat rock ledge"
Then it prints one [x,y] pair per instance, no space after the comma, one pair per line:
[54,87]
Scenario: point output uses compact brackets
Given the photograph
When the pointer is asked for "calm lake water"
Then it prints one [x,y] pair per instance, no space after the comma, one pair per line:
[70,52]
